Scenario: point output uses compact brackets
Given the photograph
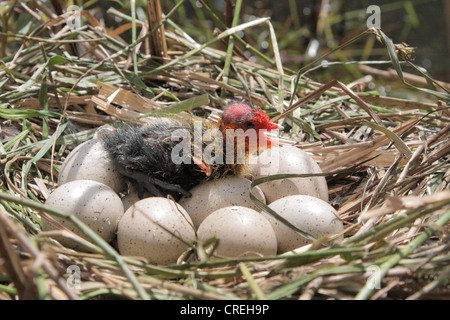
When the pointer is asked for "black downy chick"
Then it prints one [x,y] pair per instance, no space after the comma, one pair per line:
[143,153]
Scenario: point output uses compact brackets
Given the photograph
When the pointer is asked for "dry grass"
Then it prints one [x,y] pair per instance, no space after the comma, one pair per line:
[386,161]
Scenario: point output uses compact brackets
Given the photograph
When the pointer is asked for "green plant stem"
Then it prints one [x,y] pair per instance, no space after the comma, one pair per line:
[133,34]
[221,36]
[294,286]
[305,68]
[367,289]
[229,56]
[130,46]
[394,223]
[242,42]
[276,53]
[251,282]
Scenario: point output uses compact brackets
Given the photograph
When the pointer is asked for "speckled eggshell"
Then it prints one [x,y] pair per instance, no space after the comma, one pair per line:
[307,213]
[212,195]
[90,161]
[94,203]
[148,227]
[288,160]
[242,232]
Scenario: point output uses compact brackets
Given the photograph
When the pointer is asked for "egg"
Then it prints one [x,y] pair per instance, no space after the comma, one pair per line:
[155,228]
[94,203]
[242,232]
[90,161]
[307,213]
[288,160]
[215,194]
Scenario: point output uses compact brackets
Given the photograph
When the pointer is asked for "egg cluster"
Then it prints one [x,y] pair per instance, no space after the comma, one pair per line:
[160,229]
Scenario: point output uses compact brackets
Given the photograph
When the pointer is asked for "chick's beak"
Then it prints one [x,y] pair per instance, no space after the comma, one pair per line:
[274,126]
[267,137]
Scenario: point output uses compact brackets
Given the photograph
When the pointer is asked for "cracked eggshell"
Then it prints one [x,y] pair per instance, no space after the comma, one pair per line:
[307,213]
[90,161]
[212,195]
[94,203]
[288,160]
[152,228]
[242,232]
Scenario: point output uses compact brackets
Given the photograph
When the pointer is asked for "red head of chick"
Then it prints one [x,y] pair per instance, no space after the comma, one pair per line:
[145,154]
[245,117]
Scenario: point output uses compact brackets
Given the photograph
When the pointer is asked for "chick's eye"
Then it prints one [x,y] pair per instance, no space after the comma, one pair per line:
[249,124]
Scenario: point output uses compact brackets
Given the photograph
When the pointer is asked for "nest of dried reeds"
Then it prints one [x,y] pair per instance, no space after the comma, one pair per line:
[386,161]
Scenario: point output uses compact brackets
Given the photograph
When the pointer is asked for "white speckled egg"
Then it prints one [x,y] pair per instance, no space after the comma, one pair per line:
[90,161]
[307,213]
[157,229]
[242,232]
[288,160]
[94,203]
[212,195]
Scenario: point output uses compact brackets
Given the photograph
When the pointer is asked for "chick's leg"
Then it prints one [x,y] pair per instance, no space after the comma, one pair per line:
[145,182]
[171,187]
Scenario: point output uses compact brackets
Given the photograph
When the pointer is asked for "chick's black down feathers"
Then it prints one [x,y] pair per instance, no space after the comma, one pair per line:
[144,155]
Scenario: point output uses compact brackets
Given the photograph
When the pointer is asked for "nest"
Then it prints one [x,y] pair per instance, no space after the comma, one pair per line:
[386,161]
